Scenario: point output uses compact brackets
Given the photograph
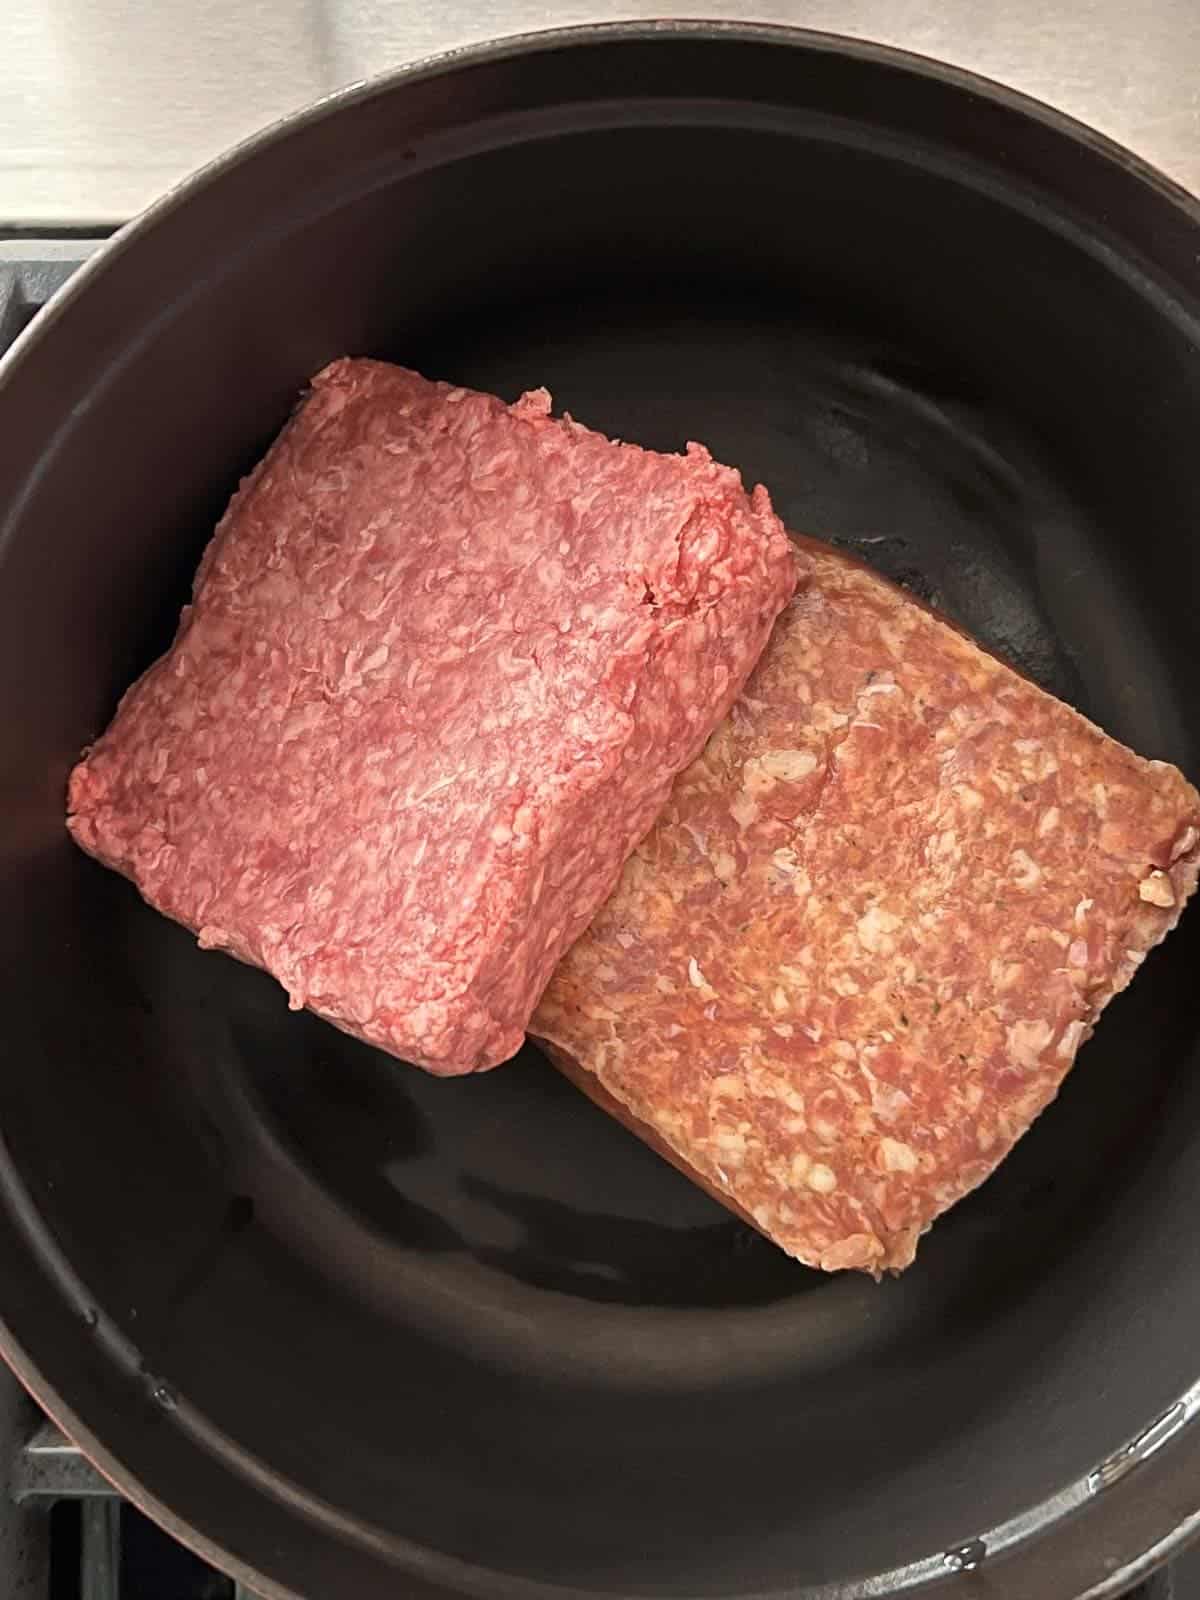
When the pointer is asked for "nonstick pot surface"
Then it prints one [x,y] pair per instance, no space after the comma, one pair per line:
[365,1331]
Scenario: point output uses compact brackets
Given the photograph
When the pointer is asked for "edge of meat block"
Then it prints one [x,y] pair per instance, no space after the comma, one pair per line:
[900,1247]
[776,565]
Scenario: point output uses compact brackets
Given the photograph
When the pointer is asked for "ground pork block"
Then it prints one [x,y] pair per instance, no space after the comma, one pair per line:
[443,659]
[857,954]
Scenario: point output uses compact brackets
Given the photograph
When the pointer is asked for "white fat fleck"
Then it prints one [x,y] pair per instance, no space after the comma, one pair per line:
[1026,1041]
[1037,763]
[1072,1038]
[801,1166]
[897,1156]
[880,688]
[1081,911]
[1048,822]
[1100,799]
[783,1029]
[779,999]
[1185,843]
[874,928]
[1157,890]
[1026,873]
[599,1013]
[821,1178]
[626,939]
[895,638]
[665,985]
[724,867]
[888,1101]
[743,808]
[1001,780]
[700,840]
[813,1030]
[434,788]
[969,799]
[695,977]
[1005,974]
[789,766]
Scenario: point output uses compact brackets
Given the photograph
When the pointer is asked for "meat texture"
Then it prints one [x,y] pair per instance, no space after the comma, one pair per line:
[857,954]
[444,658]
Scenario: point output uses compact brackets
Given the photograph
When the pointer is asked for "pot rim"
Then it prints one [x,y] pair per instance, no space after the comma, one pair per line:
[1077,1519]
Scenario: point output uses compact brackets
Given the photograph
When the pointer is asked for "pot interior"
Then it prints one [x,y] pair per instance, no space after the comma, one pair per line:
[473,1331]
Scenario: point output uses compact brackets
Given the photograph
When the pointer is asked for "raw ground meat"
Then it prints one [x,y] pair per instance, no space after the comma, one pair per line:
[443,660]
[857,954]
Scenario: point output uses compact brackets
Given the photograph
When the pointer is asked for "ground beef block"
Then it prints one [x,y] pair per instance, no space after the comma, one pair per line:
[857,954]
[443,660]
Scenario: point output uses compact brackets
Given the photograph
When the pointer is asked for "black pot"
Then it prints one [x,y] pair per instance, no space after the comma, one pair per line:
[351,1331]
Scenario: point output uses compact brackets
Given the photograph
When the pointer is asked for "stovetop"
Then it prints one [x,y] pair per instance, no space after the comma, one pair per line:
[64,1532]
[104,105]
[66,1535]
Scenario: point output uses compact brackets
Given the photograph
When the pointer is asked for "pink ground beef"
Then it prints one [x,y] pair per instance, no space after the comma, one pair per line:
[443,661]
